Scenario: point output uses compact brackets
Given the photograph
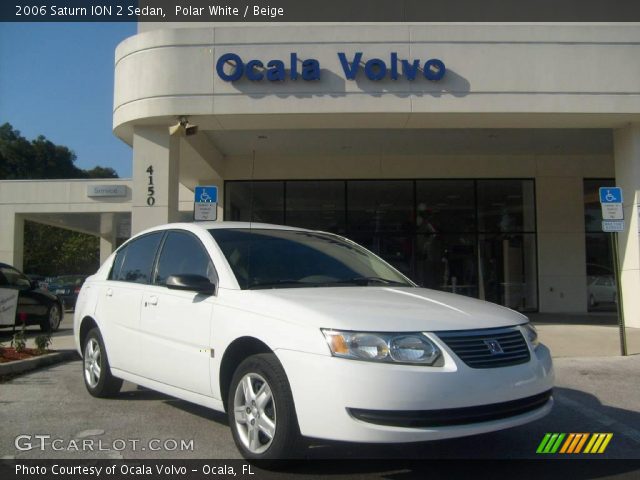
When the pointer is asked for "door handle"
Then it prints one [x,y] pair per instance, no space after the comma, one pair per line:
[109,292]
[153,300]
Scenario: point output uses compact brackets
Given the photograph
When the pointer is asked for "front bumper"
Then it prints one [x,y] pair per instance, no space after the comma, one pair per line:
[331,394]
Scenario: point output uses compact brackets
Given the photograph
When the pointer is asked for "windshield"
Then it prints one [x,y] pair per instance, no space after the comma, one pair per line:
[262,258]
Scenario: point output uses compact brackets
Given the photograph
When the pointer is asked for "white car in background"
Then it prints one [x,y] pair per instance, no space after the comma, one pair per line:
[301,333]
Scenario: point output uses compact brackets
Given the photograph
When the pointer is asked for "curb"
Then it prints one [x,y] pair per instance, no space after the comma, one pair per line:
[21,366]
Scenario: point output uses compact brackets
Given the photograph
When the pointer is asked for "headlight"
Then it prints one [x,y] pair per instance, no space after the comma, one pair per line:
[408,348]
[531,334]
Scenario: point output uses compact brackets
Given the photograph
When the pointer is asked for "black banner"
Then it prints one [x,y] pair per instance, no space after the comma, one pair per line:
[319,11]
[573,469]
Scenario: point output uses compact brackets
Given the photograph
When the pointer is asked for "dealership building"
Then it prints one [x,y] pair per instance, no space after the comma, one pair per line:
[469,156]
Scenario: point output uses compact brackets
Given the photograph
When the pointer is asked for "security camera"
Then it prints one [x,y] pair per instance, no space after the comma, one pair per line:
[183,127]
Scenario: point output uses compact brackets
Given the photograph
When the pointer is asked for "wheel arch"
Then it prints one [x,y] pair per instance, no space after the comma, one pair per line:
[237,351]
[87,324]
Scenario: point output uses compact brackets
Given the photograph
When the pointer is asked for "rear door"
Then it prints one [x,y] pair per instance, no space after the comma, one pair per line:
[118,309]
[176,325]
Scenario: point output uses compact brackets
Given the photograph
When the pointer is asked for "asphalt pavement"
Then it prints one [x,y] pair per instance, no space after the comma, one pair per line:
[592,395]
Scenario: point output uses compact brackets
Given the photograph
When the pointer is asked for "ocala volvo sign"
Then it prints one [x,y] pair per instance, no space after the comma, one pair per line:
[231,68]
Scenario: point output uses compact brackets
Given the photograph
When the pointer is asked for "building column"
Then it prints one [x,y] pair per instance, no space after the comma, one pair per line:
[626,146]
[561,244]
[108,236]
[155,178]
[12,238]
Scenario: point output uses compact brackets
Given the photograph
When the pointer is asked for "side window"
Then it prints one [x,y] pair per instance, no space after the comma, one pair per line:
[137,259]
[116,269]
[183,253]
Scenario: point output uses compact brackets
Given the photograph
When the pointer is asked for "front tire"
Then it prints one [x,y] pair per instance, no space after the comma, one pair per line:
[261,412]
[52,322]
[96,371]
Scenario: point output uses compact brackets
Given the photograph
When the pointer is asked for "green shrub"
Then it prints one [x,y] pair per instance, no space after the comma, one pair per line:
[19,341]
[42,343]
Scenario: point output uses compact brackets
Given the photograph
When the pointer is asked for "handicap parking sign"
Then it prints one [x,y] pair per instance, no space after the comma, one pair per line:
[610,195]
[206,194]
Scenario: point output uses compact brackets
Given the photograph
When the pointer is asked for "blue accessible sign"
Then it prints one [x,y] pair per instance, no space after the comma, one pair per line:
[206,194]
[610,195]
[205,206]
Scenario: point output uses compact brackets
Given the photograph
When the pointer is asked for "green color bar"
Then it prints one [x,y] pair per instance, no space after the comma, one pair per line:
[558,442]
[543,443]
[550,443]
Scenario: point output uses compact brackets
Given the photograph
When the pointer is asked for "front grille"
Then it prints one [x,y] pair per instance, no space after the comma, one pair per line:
[488,348]
[452,416]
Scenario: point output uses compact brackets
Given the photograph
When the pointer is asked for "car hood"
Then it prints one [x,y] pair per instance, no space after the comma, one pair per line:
[379,308]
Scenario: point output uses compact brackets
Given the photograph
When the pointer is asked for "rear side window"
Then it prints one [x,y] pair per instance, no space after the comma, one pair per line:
[135,262]
[183,253]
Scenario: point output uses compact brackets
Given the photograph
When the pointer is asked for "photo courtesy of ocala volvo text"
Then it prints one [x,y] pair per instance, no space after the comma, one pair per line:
[297,333]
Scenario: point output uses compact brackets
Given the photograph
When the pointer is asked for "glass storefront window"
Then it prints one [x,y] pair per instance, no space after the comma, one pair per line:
[316,205]
[379,206]
[506,206]
[445,206]
[255,202]
[470,237]
[508,270]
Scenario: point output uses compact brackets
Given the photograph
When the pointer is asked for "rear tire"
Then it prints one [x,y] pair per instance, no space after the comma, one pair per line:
[52,322]
[261,411]
[95,367]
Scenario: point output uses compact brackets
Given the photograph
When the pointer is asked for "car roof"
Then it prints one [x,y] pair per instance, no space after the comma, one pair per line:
[220,225]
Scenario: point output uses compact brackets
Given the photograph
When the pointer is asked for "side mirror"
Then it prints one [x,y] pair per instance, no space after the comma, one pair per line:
[192,283]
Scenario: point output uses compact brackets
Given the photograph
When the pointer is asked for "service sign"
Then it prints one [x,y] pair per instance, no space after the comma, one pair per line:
[8,306]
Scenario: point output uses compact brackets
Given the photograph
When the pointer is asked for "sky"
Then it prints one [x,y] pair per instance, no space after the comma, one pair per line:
[56,80]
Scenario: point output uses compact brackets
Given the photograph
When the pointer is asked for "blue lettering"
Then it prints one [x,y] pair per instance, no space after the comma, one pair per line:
[251,70]
[350,70]
[394,66]
[311,69]
[375,69]
[276,70]
[410,70]
[434,69]
[232,59]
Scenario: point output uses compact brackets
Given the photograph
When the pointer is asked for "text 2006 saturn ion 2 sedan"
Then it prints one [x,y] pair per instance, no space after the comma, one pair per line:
[302,333]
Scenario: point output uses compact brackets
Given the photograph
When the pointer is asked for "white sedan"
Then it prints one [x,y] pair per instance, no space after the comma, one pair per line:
[301,333]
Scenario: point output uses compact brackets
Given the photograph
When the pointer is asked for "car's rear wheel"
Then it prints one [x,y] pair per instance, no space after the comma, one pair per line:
[96,370]
[261,411]
[52,322]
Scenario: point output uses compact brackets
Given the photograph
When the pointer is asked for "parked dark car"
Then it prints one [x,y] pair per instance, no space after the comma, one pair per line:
[67,287]
[35,306]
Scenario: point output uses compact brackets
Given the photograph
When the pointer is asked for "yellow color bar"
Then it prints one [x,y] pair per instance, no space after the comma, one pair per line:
[591,442]
[607,439]
[596,445]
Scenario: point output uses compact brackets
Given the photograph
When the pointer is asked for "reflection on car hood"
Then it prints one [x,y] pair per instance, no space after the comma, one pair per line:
[378,308]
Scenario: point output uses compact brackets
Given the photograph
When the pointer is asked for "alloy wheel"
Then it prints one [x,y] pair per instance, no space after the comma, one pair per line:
[92,359]
[254,413]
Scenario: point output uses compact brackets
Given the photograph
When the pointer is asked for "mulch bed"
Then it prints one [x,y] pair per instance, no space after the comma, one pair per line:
[9,354]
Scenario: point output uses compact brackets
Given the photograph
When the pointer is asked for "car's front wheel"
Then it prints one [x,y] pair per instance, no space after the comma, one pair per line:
[52,322]
[261,411]
[96,370]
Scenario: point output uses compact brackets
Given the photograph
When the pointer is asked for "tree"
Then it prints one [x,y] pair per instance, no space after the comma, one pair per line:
[40,158]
